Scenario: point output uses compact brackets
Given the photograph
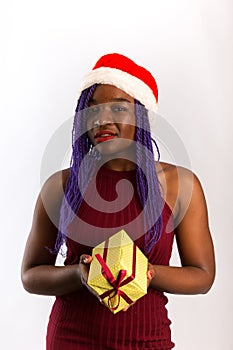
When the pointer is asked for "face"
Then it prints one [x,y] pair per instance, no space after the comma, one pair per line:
[111,121]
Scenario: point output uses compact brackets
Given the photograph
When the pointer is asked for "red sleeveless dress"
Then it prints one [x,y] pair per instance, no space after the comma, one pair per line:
[78,321]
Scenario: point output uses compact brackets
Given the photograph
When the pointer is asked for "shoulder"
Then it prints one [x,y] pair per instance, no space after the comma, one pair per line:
[172,171]
[52,191]
[173,175]
[179,186]
[57,181]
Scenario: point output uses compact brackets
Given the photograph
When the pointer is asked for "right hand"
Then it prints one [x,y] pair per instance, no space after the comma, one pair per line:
[84,266]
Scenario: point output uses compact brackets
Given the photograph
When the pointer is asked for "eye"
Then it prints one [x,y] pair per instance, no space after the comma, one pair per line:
[92,111]
[118,108]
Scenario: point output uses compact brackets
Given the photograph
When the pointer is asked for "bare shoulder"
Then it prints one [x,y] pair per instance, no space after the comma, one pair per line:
[52,192]
[58,178]
[174,175]
[179,185]
[172,171]
[56,182]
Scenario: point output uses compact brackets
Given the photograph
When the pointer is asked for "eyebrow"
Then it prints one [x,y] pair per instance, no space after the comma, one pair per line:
[120,99]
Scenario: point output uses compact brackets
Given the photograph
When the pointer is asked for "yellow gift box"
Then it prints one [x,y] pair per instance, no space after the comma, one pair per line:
[118,271]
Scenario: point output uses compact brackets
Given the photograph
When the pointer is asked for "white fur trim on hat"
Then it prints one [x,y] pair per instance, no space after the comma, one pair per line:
[130,84]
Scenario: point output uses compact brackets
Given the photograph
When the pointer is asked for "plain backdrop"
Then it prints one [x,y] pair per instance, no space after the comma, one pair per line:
[46,48]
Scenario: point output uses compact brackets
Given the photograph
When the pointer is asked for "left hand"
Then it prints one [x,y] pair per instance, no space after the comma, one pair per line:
[150,275]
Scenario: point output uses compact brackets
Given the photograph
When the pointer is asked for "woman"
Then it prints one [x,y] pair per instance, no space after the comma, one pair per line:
[114,183]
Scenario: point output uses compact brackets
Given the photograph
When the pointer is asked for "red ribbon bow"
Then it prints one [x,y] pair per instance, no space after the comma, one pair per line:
[118,282]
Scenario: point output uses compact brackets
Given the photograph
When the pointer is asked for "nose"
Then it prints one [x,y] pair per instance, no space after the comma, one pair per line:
[103,117]
[101,122]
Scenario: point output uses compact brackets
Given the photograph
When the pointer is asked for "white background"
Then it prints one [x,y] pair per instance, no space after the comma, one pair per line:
[46,48]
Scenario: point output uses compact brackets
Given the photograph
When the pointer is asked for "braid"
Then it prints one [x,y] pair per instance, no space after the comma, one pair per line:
[79,175]
[148,187]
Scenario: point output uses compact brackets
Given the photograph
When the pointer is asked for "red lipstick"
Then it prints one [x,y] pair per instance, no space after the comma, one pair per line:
[104,135]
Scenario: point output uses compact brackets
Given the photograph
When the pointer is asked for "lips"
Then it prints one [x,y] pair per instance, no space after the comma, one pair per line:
[104,135]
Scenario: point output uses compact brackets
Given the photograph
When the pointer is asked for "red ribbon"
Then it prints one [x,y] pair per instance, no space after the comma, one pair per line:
[118,282]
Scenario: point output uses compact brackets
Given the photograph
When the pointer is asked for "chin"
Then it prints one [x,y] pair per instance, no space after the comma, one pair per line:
[116,147]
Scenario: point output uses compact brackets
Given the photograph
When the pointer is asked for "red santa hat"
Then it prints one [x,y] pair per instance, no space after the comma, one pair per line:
[120,71]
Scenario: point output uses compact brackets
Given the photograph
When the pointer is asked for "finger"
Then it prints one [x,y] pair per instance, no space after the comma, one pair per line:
[149,275]
[94,293]
[85,259]
[83,271]
[127,307]
[100,300]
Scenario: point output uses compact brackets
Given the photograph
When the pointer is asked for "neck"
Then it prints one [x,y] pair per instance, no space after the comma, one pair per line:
[120,164]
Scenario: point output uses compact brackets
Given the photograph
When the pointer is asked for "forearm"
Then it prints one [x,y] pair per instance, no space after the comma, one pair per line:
[52,280]
[181,280]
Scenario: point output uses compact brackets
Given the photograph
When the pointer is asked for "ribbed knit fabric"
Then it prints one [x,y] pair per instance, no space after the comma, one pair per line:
[79,320]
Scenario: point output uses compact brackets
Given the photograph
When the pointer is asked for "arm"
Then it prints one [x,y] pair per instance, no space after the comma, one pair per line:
[39,273]
[197,271]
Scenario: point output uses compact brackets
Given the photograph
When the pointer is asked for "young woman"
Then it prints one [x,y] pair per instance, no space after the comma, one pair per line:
[114,183]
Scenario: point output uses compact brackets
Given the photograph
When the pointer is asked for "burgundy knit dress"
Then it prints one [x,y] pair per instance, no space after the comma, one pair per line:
[78,321]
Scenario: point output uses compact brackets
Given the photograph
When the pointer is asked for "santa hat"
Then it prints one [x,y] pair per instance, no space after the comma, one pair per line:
[120,71]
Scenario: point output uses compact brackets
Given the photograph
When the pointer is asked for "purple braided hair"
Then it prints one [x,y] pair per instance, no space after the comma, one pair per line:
[82,154]
[148,186]
[81,146]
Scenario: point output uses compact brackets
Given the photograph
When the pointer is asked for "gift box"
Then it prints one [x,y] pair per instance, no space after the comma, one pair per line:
[118,271]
